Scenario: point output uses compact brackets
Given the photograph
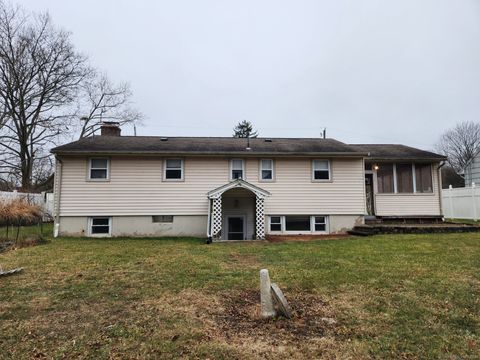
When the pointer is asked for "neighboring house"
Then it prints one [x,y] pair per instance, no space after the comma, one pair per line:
[472,171]
[236,188]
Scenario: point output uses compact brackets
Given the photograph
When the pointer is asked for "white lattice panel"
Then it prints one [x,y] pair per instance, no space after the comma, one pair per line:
[217,217]
[260,217]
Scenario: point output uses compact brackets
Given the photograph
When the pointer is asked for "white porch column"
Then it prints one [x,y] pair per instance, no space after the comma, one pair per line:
[216,218]
[260,217]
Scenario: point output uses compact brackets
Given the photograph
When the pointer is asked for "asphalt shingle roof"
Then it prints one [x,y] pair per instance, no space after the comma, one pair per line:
[238,146]
[204,145]
[396,152]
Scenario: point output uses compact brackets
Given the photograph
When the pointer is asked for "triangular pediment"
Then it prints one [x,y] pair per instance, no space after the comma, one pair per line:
[238,183]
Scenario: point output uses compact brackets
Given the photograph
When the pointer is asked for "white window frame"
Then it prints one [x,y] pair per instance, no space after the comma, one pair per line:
[313,223]
[182,169]
[260,169]
[90,168]
[299,232]
[231,169]
[90,225]
[161,219]
[282,222]
[329,171]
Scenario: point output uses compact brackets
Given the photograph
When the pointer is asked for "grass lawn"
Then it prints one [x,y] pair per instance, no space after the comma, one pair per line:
[464,221]
[397,296]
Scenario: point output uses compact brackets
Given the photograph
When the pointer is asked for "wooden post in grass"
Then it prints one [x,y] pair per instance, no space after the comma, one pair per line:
[266,300]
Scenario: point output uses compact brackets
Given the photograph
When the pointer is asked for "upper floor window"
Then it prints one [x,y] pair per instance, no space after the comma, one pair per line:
[237,170]
[173,169]
[266,170]
[99,169]
[321,170]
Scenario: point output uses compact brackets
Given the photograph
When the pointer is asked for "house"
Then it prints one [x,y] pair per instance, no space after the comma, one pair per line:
[236,188]
[472,171]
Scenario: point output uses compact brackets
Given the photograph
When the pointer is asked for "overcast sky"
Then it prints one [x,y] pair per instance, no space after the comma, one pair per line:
[370,71]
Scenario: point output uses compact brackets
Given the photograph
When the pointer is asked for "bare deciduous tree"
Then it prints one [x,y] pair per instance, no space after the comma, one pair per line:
[106,101]
[40,76]
[460,144]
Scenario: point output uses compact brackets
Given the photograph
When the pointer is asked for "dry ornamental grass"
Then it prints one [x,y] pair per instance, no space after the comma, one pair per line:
[16,213]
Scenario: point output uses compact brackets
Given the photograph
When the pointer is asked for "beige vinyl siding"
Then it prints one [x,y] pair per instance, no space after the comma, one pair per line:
[136,187]
[410,204]
[294,192]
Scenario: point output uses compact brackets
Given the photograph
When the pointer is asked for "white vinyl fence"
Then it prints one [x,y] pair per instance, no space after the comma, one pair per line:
[44,200]
[461,203]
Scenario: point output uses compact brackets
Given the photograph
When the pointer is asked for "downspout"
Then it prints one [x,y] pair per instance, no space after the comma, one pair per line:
[439,171]
[209,225]
[365,212]
[57,192]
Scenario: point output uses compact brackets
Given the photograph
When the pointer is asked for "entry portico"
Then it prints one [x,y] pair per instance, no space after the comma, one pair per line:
[236,205]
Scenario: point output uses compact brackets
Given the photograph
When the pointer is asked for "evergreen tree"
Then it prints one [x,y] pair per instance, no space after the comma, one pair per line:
[244,129]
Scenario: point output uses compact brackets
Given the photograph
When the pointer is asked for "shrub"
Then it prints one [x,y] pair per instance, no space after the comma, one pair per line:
[19,212]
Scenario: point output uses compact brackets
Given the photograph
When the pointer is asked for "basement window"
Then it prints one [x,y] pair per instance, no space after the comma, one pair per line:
[275,223]
[297,223]
[320,223]
[162,218]
[100,226]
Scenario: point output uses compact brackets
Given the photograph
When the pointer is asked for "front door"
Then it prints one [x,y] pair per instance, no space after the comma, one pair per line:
[236,228]
[369,194]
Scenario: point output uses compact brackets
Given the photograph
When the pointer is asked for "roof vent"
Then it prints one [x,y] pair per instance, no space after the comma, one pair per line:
[163,139]
[268,140]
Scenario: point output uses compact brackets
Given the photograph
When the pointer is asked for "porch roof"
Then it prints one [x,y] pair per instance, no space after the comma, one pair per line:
[238,183]
[397,152]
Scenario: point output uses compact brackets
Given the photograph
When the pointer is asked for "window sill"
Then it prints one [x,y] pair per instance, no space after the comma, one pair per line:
[98,180]
[173,180]
[298,232]
[322,181]
[405,194]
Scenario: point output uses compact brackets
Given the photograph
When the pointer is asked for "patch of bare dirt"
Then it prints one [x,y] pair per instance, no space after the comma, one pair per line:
[238,317]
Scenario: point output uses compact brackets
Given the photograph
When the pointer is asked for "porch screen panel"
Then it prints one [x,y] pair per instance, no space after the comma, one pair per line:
[423,178]
[404,178]
[385,178]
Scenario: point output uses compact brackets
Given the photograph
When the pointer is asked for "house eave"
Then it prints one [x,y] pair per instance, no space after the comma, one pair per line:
[393,159]
[246,153]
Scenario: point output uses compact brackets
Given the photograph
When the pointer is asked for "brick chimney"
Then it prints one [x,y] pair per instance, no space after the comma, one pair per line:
[110,128]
